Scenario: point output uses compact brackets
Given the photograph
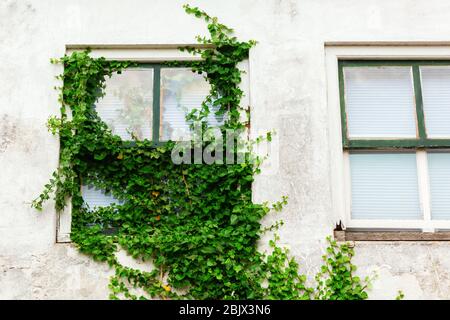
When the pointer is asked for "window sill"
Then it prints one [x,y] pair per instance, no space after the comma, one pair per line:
[391,236]
[63,238]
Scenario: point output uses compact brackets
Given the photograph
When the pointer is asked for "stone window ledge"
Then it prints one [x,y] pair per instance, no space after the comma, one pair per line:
[353,235]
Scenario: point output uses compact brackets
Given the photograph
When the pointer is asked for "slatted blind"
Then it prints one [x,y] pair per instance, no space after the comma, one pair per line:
[181,92]
[128,103]
[439,171]
[95,197]
[384,186]
[379,102]
[436,99]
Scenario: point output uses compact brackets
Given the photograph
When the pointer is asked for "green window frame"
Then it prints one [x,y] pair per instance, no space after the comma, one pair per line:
[156,108]
[421,140]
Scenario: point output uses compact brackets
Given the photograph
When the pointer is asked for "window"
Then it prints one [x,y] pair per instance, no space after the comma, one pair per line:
[149,101]
[94,197]
[152,101]
[396,139]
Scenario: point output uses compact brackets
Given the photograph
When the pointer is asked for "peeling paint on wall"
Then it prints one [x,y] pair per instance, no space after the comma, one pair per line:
[7,133]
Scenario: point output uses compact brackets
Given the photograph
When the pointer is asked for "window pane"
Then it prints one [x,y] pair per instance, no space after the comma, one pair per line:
[94,197]
[128,103]
[384,186]
[436,100]
[181,91]
[439,171]
[379,102]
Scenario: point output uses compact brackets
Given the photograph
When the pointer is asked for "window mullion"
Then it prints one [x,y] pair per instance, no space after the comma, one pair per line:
[156,103]
[419,102]
[424,189]
[344,130]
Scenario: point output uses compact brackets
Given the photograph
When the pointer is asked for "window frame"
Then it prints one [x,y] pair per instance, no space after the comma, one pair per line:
[156,96]
[335,51]
[419,145]
[421,140]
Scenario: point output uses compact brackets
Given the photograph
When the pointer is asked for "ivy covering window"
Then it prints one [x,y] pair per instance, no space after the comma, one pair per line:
[396,140]
[150,102]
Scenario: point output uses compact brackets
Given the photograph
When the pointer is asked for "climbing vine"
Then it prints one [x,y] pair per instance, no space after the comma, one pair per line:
[196,223]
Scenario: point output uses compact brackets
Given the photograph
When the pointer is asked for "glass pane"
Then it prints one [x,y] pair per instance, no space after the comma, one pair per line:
[439,171]
[380,102]
[95,197]
[436,100]
[384,186]
[181,91]
[128,103]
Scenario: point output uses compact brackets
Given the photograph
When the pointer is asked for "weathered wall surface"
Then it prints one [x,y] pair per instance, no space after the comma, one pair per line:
[288,94]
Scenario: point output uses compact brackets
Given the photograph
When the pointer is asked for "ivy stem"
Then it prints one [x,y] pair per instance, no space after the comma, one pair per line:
[187,187]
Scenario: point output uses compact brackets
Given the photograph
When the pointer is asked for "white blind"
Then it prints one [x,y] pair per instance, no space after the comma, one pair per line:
[384,186]
[181,92]
[439,171]
[379,102]
[128,103]
[436,99]
[95,197]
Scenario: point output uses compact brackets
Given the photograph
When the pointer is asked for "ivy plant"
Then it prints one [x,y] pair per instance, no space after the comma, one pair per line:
[196,223]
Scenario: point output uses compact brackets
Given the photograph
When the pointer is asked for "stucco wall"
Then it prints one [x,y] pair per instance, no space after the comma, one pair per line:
[288,93]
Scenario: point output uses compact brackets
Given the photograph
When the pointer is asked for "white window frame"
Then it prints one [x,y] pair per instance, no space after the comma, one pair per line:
[339,159]
[142,53]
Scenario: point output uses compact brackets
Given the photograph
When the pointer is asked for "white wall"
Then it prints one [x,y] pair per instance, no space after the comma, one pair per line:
[288,93]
